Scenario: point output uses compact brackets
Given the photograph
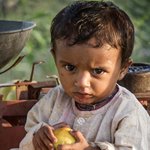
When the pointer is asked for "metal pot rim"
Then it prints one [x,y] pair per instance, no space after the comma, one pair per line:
[25,25]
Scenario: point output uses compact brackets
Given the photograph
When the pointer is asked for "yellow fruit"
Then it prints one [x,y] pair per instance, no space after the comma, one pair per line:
[9,93]
[63,136]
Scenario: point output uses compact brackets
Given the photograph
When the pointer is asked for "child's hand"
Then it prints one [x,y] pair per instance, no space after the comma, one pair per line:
[44,138]
[81,143]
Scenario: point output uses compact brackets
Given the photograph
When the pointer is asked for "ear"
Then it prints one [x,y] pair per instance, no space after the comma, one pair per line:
[125,68]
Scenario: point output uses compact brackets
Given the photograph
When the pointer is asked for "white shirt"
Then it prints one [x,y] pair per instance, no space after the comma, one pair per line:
[121,124]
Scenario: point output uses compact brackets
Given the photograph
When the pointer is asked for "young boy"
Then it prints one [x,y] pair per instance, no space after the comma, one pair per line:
[91,43]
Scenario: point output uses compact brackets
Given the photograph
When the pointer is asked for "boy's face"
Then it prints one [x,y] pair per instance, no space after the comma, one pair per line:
[86,73]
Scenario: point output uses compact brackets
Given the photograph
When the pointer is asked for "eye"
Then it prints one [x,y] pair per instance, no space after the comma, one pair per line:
[70,67]
[97,71]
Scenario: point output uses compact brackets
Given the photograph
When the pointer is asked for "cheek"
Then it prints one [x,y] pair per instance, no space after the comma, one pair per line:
[64,78]
[60,71]
[61,77]
[104,84]
[61,74]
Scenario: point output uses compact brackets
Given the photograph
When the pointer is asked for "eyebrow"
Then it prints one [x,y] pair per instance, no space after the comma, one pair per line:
[63,62]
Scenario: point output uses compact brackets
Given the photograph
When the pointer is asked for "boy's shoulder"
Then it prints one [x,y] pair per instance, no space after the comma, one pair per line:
[126,94]
[128,101]
[57,94]
[126,97]
[56,90]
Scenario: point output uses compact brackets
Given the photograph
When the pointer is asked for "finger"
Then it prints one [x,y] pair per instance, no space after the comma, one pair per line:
[48,131]
[78,136]
[38,144]
[41,139]
[35,144]
[65,147]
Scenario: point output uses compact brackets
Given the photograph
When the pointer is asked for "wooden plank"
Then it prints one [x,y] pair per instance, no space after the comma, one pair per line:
[17,107]
[143,96]
[10,136]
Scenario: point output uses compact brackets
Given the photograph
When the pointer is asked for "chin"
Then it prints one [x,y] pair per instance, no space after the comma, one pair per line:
[84,102]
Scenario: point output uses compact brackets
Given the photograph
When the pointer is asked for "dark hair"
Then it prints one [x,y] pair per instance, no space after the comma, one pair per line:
[83,20]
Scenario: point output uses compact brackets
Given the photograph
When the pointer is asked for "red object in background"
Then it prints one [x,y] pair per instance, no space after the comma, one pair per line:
[13,113]
[13,117]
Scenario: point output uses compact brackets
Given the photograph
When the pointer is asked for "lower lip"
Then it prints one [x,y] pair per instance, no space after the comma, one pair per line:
[82,97]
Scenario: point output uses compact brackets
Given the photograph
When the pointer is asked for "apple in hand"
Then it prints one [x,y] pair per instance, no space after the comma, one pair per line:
[63,136]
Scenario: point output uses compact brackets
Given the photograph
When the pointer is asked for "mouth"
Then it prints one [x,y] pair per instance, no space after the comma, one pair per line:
[82,97]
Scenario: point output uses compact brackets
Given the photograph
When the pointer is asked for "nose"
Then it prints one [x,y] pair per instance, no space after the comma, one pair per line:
[83,80]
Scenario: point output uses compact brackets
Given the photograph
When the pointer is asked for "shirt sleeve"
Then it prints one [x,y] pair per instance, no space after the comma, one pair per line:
[37,117]
[41,111]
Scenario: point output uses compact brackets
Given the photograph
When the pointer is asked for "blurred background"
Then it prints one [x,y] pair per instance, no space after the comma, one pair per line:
[37,47]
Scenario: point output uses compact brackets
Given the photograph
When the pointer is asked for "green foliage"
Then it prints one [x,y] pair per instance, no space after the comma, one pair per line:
[140,15]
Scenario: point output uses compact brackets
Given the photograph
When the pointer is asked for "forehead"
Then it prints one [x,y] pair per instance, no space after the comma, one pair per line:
[86,53]
[92,43]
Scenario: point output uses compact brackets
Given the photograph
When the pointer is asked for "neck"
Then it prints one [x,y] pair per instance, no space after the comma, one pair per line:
[96,105]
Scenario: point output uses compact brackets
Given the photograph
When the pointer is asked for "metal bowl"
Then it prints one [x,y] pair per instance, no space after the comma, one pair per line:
[13,37]
[137,80]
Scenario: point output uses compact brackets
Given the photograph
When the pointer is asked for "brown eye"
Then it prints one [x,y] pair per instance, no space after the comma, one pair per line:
[70,67]
[97,71]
